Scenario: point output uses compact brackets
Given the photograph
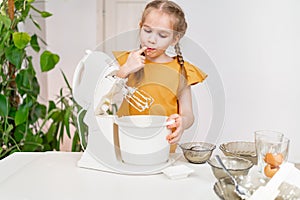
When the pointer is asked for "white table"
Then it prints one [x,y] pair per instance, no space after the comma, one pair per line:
[55,176]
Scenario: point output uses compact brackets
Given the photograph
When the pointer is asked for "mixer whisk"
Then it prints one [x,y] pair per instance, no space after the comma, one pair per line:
[138,99]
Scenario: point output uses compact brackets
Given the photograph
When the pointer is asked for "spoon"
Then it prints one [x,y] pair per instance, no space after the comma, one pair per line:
[239,190]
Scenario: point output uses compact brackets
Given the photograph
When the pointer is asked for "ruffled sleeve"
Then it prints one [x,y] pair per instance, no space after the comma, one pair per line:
[194,74]
[121,56]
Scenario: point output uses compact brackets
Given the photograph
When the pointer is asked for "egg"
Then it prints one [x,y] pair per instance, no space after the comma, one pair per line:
[274,159]
[269,170]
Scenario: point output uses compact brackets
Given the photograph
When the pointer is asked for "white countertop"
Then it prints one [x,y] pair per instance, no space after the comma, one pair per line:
[55,176]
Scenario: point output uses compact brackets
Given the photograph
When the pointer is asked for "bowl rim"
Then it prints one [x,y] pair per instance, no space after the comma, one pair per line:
[210,145]
[209,161]
[223,148]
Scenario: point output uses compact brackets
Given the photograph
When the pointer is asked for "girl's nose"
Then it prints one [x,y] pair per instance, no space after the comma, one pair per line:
[152,38]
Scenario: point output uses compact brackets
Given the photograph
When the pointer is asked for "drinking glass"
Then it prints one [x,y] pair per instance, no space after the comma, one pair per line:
[271,150]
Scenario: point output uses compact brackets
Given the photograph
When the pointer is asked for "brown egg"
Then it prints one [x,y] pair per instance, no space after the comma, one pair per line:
[270,170]
[274,159]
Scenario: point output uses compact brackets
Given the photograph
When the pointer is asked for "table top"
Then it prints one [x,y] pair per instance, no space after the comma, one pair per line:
[55,175]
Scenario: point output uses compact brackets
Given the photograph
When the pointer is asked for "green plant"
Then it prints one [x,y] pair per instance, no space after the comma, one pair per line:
[61,117]
[26,124]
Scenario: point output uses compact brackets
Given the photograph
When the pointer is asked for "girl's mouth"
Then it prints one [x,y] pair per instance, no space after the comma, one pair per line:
[149,51]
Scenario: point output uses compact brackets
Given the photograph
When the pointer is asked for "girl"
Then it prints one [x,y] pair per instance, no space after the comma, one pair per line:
[167,79]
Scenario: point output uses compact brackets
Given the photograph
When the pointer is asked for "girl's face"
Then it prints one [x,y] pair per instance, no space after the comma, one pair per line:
[157,35]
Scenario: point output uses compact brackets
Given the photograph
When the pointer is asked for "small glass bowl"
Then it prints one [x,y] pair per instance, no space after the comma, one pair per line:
[235,165]
[197,152]
[240,149]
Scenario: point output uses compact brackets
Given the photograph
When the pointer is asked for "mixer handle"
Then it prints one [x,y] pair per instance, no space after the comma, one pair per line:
[78,71]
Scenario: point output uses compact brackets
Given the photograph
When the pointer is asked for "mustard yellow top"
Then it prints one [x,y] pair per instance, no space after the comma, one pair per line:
[161,81]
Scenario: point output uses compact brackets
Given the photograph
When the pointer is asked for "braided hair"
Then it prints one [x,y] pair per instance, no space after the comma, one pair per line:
[183,74]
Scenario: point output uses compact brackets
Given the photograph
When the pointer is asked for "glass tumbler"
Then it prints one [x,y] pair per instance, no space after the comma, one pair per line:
[271,150]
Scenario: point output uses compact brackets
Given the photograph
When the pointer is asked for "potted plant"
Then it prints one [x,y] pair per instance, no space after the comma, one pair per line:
[25,123]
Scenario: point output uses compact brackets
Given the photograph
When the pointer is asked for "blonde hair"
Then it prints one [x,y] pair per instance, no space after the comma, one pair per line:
[179,28]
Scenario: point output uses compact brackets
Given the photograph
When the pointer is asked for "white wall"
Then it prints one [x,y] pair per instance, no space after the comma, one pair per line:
[255,45]
[69,32]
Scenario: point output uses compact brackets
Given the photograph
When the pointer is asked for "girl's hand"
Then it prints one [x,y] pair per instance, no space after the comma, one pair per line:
[135,61]
[177,129]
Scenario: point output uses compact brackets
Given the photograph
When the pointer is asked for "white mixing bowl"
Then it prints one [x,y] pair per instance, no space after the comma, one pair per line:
[143,139]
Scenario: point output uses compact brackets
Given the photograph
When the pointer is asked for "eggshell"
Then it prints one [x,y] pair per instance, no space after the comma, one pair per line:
[274,159]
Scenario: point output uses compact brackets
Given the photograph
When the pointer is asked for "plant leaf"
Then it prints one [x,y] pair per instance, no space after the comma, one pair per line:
[34,43]
[3,106]
[51,133]
[45,14]
[37,111]
[66,121]
[35,87]
[27,83]
[21,114]
[51,106]
[61,133]
[33,142]
[48,61]
[15,56]
[21,39]
[56,116]
[5,20]
[19,132]
[22,81]
[66,81]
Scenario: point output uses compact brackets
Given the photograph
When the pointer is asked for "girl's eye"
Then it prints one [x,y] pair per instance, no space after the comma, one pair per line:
[162,35]
[147,30]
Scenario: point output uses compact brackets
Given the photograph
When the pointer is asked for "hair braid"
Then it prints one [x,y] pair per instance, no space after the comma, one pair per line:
[183,74]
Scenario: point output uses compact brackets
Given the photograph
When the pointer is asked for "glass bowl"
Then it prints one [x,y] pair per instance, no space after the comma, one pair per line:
[224,187]
[235,165]
[197,152]
[240,149]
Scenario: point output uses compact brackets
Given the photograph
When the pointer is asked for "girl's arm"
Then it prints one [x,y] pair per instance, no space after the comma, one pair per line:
[185,118]
[135,62]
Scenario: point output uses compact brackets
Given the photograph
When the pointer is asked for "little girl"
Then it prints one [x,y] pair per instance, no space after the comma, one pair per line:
[167,79]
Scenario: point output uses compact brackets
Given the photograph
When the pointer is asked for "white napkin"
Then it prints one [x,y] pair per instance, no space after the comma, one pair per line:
[177,171]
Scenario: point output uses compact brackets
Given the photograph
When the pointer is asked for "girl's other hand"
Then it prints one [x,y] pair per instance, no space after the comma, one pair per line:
[177,129]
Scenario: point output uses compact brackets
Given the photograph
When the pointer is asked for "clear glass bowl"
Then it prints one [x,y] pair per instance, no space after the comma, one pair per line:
[240,149]
[236,166]
[197,152]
